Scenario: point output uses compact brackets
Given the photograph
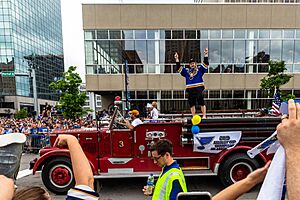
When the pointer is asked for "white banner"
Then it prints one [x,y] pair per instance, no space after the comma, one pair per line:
[215,142]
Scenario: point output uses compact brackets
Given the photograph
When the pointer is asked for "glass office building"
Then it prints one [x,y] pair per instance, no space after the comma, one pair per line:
[238,53]
[30,38]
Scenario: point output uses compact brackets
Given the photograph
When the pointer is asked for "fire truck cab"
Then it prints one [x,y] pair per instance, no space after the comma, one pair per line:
[117,152]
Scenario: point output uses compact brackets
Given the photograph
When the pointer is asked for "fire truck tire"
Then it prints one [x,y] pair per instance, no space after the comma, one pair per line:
[57,175]
[236,167]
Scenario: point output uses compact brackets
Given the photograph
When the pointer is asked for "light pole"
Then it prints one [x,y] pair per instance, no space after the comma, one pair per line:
[35,99]
[32,74]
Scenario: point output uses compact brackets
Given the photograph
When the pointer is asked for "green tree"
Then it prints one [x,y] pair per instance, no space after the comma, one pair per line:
[71,100]
[21,114]
[276,78]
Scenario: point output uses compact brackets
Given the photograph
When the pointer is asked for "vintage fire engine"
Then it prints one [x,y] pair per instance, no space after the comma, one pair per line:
[117,152]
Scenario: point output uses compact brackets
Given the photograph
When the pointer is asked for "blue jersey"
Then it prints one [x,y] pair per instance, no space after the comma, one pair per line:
[193,77]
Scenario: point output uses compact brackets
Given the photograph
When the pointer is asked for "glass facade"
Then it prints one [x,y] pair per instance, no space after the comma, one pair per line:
[30,37]
[151,51]
[240,51]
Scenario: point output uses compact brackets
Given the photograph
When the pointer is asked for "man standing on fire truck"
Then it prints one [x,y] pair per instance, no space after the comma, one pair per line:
[194,81]
[171,181]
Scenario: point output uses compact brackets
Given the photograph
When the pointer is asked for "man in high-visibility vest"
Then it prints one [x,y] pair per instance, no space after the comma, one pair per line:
[171,181]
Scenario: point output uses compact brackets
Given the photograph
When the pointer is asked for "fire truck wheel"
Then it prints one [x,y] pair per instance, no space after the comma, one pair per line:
[236,167]
[57,175]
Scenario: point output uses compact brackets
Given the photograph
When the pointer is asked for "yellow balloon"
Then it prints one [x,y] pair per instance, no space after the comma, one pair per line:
[196,119]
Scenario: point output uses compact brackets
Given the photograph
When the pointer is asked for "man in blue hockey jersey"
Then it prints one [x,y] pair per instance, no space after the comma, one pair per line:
[194,81]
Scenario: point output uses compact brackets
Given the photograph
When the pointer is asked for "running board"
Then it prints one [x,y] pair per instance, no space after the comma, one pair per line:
[146,174]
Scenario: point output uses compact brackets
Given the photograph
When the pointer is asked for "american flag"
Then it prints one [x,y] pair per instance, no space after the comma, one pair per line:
[276,103]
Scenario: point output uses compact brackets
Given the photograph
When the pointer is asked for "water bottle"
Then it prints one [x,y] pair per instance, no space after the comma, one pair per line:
[150,184]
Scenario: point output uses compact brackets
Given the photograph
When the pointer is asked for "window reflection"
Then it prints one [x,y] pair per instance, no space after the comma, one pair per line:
[202,34]
[214,68]
[152,34]
[227,51]
[151,51]
[297,52]
[297,33]
[140,34]
[127,34]
[239,34]
[289,68]
[276,34]
[251,47]
[102,34]
[297,68]
[239,68]
[287,51]
[227,68]
[276,50]
[177,34]
[252,34]
[227,94]
[214,51]
[288,33]
[264,34]
[88,35]
[156,55]
[239,51]
[227,34]
[141,51]
[190,34]
[165,34]
[114,34]
[215,34]
[214,93]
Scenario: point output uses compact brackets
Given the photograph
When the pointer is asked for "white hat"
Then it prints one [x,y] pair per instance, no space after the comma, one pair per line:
[149,105]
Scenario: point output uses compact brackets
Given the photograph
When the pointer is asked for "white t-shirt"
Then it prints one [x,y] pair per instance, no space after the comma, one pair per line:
[136,122]
[154,113]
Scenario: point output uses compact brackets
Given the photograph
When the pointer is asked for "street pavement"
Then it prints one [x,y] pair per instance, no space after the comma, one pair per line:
[125,189]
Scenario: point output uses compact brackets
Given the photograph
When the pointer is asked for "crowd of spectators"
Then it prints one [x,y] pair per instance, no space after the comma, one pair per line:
[49,119]
[39,125]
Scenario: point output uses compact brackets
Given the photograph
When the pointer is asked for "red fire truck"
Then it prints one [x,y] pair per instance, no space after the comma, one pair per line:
[117,152]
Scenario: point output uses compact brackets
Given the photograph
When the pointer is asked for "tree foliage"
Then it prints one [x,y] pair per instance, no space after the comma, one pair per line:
[21,114]
[71,100]
[276,77]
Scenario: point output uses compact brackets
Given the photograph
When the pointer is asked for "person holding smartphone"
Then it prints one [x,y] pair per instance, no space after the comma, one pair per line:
[194,81]
[171,181]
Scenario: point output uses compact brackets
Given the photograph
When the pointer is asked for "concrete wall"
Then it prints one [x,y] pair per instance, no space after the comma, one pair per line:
[102,16]
[176,82]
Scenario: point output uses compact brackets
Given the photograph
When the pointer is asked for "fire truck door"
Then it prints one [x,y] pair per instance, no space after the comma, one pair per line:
[122,142]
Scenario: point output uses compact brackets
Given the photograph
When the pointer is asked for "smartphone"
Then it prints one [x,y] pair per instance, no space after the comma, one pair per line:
[194,196]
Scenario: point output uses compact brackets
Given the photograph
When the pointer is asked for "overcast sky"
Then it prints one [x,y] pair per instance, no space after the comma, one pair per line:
[73,32]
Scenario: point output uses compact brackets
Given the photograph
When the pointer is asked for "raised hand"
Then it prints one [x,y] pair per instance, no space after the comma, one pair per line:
[62,140]
[176,56]
[206,52]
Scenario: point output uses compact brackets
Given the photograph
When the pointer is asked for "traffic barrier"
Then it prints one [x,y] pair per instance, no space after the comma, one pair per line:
[35,142]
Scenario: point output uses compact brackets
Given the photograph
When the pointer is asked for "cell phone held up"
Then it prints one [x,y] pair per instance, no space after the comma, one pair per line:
[194,196]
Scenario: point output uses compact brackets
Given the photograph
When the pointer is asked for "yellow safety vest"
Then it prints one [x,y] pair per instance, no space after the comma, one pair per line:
[163,186]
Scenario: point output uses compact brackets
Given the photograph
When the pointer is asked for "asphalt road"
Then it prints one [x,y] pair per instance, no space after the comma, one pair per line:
[125,189]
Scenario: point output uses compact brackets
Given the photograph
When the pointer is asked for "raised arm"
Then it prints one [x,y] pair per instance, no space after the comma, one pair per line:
[80,164]
[236,190]
[205,61]
[6,188]
[180,69]
[288,132]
